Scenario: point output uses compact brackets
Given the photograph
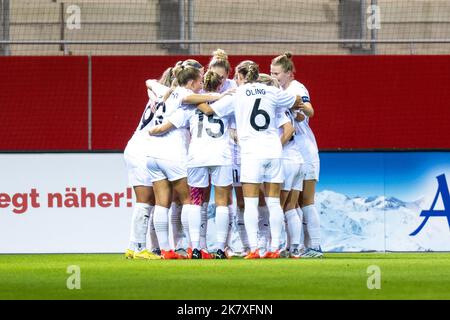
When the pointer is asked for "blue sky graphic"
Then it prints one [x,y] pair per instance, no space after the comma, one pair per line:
[404,175]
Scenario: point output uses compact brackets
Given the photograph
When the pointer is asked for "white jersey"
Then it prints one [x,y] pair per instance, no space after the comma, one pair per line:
[209,144]
[291,150]
[228,84]
[171,145]
[140,142]
[303,133]
[255,106]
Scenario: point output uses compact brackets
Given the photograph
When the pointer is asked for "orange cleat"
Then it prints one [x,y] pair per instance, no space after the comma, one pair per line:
[253,255]
[169,255]
[206,254]
[189,253]
[271,255]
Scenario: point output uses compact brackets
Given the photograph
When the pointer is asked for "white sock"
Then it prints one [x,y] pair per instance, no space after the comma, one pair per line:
[222,219]
[195,220]
[312,220]
[276,221]
[154,244]
[302,227]
[204,225]
[293,228]
[251,221]
[230,225]
[161,222]
[288,236]
[185,224]
[241,228]
[139,226]
[263,227]
[176,228]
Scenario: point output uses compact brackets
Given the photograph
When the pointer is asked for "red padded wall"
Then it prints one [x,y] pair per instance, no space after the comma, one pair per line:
[361,102]
[43,103]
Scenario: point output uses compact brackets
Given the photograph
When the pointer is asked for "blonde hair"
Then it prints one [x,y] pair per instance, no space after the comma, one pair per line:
[167,77]
[268,80]
[249,70]
[212,81]
[184,74]
[285,61]
[220,60]
[192,63]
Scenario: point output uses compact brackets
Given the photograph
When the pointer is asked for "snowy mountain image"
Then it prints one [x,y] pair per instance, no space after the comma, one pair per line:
[378,223]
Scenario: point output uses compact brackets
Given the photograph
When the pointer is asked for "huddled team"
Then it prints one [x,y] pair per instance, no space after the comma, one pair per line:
[250,134]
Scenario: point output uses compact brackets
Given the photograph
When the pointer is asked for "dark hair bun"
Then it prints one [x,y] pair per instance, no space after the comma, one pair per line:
[288,55]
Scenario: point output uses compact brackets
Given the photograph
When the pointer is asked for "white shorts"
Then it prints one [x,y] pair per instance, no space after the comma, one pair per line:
[161,169]
[261,170]
[293,175]
[311,170]
[236,175]
[221,176]
[138,174]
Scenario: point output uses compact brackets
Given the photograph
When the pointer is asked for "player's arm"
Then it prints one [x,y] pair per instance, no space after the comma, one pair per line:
[176,120]
[205,108]
[202,98]
[288,132]
[303,104]
[161,128]
[299,117]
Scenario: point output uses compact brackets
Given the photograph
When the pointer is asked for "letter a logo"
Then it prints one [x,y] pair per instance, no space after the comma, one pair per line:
[443,191]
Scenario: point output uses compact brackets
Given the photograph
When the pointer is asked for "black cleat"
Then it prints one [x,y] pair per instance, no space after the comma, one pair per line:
[157,251]
[196,254]
[221,255]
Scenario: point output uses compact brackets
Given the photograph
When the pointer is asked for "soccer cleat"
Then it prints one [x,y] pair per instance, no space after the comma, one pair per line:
[312,253]
[284,253]
[220,254]
[253,255]
[196,254]
[295,254]
[182,253]
[189,253]
[129,254]
[145,255]
[169,255]
[206,254]
[271,255]
[157,251]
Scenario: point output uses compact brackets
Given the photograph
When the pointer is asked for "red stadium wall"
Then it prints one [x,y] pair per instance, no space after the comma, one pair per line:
[361,102]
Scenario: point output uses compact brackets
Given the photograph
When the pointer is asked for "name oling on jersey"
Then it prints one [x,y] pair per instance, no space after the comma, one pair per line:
[252,92]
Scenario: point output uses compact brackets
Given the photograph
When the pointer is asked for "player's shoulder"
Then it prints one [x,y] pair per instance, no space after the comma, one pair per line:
[297,85]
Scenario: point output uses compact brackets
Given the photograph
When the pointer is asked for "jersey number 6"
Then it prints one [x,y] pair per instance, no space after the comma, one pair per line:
[255,112]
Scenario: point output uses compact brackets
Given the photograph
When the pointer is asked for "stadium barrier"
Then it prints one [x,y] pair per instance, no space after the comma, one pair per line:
[368,201]
[94,103]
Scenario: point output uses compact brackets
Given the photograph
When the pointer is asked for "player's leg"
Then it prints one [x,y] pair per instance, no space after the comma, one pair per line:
[198,180]
[264,237]
[293,222]
[221,177]
[310,214]
[176,232]
[204,223]
[139,178]
[273,177]
[291,188]
[163,197]
[251,179]
[240,208]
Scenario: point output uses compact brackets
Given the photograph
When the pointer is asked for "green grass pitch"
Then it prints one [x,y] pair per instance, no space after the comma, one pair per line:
[337,276]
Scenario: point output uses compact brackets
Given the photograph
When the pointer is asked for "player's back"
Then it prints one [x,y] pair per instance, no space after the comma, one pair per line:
[256,107]
[209,144]
[171,145]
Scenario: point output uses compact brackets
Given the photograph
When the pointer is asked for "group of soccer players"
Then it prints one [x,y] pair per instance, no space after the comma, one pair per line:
[251,134]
